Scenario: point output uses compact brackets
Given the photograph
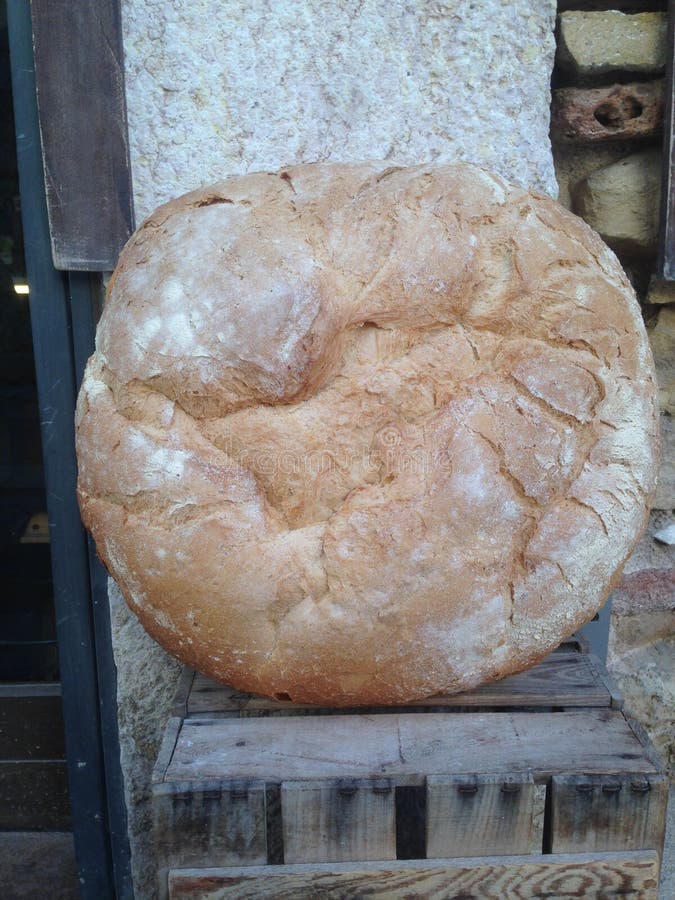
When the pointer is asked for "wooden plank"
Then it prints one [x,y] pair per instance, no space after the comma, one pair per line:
[608,812]
[166,749]
[479,815]
[538,818]
[338,821]
[183,688]
[562,679]
[34,794]
[83,132]
[195,824]
[407,746]
[31,727]
[666,255]
[600,875]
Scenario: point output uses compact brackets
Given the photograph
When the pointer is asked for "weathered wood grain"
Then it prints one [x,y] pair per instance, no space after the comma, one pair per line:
[608,812]
[666,256]
[562,679]
[407,746]
[337,821]
[604,875]
[195,824]
[80,91]
[485,815]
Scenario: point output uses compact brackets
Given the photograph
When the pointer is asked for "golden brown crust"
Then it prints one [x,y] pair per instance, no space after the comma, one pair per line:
[361,435]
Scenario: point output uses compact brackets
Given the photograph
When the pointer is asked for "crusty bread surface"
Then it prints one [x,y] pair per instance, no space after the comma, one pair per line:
[360,435]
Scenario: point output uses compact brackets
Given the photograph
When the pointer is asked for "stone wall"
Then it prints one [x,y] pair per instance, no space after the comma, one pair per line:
[607,120]
[217,88]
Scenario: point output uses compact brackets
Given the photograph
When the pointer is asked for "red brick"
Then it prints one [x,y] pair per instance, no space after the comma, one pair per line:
[616,113]
[645,591]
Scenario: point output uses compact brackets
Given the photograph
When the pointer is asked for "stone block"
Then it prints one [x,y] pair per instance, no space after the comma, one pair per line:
[665,489]
[661,292]
[575,162]
[616,113]
[604,42]
[648,591]
[662,340]
[621,202]
[223,89]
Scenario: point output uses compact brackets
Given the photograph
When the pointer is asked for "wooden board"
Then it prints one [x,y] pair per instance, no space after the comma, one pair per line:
[562,679]
[218,820]
[333,821]
[606,875]
[488,815]
[666,258]
[84,138]
[608,812]
[34,795]
[407,746]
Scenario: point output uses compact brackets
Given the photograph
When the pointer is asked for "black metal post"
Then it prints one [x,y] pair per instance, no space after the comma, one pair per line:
[56,382]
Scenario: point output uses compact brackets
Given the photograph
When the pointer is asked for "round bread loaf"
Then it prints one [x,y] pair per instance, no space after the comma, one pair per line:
[360,435]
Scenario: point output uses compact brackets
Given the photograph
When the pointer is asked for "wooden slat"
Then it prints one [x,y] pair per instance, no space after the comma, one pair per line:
[605,875]
[407,746]
[166,749]
[607,812]
[666,256]
[34,795]
[80,91]
[338,821]
[31,727]
[195,824]
[538,818]
[183,688]
[485,815]
[562,679]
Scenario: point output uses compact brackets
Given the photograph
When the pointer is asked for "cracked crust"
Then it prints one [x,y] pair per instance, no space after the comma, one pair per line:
[359,436]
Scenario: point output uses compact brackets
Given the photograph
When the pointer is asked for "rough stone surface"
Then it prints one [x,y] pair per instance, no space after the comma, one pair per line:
[666,535]
[38,865]
[662,340]
[661,292]
[641,653]
[146,681]
[621,202]
[639,660]
[667,882]
[665,490]
[599,43]
[216,89]
[616,113]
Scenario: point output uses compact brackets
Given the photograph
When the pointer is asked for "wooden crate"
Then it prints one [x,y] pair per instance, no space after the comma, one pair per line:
[537,785]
